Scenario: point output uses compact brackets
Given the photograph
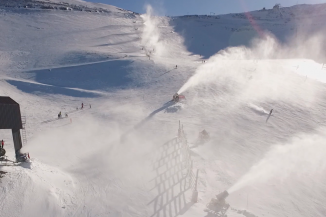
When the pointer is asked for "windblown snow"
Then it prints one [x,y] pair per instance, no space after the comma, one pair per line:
[120,155]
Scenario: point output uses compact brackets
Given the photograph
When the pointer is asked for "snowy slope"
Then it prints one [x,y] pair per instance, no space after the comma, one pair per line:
[294,25]
[120,157]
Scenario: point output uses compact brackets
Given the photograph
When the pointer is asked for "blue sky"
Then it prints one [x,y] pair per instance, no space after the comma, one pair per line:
[183,7]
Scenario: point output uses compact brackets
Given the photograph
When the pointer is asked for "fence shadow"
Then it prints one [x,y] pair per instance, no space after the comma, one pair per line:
[170,182]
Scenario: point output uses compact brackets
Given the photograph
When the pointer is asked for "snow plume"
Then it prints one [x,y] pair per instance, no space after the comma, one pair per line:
[262,71]
[151,33]
[74,146]
[91,152]
[303,158]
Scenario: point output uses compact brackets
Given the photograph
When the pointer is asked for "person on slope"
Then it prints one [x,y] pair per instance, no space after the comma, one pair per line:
[82,105]
[2,144]
[59,115]
[269,115]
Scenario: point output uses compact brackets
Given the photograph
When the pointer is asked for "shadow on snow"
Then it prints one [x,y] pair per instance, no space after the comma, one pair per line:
[45,89]
[94,76]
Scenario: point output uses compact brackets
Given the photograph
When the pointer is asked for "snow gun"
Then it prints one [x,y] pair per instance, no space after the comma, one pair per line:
[176,97]
[222,196]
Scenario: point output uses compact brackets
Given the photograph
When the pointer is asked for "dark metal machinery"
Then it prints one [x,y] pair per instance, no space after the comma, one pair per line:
[10,118]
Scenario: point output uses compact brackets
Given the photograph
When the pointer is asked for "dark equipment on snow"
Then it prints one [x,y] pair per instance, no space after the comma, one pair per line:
[176,97]
[203,137]
[222,196]
[21,157]
[10,118]
[2,152]
[219,204]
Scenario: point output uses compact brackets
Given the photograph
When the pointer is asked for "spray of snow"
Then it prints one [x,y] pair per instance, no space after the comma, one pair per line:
[304,157]
[151,33]
[255,73]
[258,109]
[75,141]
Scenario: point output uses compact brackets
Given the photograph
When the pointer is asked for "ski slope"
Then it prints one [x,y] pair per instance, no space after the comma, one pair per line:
[119,156]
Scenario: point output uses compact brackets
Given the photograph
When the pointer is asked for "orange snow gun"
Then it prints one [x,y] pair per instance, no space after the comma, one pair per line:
[177,97]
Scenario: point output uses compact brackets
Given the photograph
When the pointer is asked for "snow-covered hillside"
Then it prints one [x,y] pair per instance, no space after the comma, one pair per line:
[291,26]
[119,156]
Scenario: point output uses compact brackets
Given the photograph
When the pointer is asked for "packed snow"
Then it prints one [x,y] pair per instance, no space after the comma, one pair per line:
[121,154]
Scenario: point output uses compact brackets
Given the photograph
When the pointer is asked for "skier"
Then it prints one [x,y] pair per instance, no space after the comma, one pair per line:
[176,66]
[90,106]
[270,114]
[59,115]
[82,105]
[2,144]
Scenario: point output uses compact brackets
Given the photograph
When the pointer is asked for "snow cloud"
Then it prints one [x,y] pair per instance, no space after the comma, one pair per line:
[93,145]
[302,158]
[264,71]
[151,33]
